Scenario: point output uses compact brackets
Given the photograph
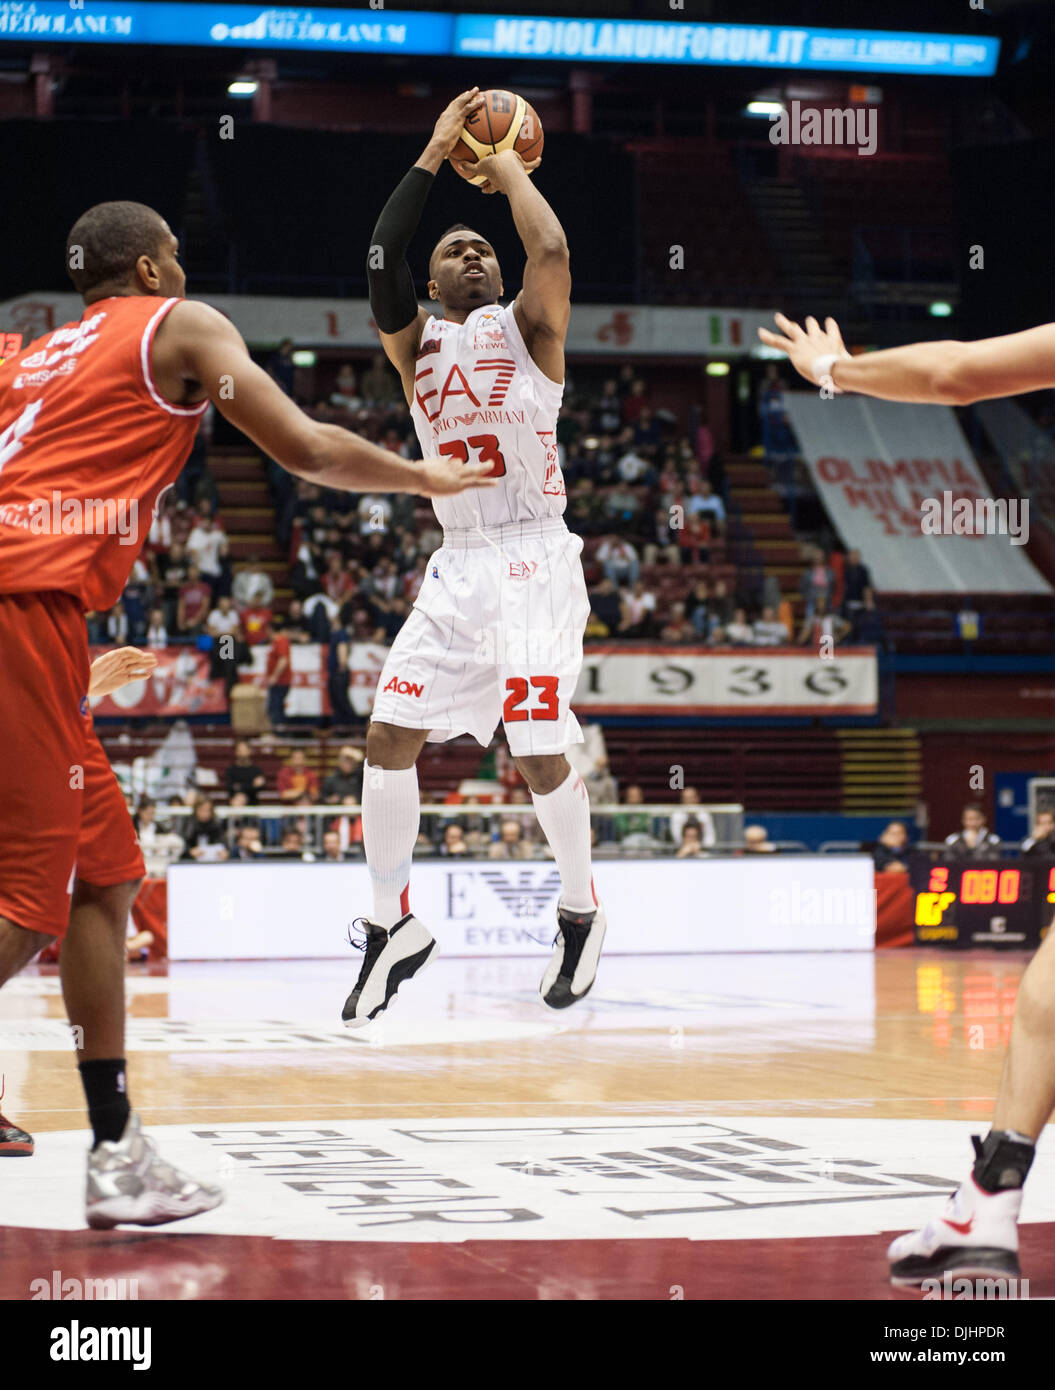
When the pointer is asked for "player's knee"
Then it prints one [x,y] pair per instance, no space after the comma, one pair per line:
[393,748]
[115,898]
[543,773]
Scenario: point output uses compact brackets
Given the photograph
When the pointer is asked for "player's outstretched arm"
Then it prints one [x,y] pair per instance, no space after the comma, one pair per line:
[196,344]
[543,306]
[942,373]
[393,300]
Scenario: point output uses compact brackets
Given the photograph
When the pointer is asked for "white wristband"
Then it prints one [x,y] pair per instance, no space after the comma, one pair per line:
[822,368]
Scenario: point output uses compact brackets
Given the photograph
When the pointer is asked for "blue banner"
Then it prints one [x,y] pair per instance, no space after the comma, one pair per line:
[229,26]
[729,45]
[579,40]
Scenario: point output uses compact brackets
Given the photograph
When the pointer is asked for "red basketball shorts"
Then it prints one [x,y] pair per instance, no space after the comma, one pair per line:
[61,811]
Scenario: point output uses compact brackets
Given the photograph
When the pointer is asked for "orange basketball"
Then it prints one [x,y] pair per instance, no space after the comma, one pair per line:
[505,121]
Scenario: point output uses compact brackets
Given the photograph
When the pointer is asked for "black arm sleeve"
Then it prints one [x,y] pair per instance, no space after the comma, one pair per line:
[392,297]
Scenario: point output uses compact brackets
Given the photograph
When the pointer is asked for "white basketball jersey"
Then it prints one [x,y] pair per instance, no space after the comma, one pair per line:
[478,396]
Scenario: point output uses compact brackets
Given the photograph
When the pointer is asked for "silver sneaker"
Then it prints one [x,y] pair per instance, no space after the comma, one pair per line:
[129,1184]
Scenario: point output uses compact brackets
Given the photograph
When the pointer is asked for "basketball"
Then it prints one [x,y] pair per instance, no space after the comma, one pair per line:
[505,121]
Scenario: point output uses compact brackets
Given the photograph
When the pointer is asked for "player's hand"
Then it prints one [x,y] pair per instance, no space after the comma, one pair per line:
[121,667]
[442,476]
[804,346]
[495,168]
[448,129]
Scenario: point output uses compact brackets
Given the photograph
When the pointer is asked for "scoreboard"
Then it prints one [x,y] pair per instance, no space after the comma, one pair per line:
[966,903]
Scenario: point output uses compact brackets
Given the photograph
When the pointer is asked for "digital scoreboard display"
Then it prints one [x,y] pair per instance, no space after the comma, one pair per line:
[966,903]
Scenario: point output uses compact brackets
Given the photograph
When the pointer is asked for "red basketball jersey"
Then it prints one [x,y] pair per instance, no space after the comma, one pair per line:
[87,445]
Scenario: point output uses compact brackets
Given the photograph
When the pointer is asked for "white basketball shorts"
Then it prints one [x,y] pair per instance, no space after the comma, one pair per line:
[495,636]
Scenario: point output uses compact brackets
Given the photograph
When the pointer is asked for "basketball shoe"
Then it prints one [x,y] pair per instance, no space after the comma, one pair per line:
[390,957]
[572,969]
[129,1184]
[14,1142]
[976,1236]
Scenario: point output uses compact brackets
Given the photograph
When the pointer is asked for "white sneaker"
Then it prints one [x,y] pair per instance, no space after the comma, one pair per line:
[129,1184]
[391,957]
[976,1236]
[572,969]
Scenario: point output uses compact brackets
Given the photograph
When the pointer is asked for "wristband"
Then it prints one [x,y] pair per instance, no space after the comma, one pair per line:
[822,368]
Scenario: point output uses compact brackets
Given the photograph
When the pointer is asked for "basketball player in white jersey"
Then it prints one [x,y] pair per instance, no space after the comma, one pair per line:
[976,1236]
[496,631]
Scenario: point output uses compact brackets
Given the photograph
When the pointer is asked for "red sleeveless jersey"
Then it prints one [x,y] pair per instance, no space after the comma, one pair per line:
[87,446]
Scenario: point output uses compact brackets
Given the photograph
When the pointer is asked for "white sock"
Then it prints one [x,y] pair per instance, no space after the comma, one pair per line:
[391,816]
[564,815]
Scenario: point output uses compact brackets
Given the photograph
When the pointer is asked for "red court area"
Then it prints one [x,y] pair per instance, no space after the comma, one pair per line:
[186,1266]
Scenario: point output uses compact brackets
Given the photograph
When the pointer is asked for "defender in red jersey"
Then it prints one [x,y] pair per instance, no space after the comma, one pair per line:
[96,420]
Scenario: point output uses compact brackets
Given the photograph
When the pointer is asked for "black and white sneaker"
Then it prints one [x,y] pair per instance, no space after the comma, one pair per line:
[390,958]
[570,974]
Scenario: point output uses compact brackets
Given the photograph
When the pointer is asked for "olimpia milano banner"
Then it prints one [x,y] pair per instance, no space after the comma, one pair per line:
[319,323]
[901,486]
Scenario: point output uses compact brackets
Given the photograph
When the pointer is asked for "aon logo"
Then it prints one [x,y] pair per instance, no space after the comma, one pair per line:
[398,687]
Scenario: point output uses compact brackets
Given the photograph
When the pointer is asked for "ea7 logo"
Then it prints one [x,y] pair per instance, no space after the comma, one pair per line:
[397,687]
[522,569]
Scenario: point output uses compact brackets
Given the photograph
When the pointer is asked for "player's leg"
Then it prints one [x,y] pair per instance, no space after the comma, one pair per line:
[394,943]
[547,613]
[42,682]
[128,1183]
[977,1233]
[17,948]
[431,681]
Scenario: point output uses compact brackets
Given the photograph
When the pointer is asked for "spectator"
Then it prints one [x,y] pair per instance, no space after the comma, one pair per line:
[698,608]
[769,630]
[974,839]
[207,548]
[679,819]
[172,567]
[892,849]
[633,824]
[280,366]
[619,560]
[622,503]
[608,412]
[192,606]
[331,847]
[740,633]
[600,783]
[137,598]
[256,624]
[638,607]
[454,842]
[345,395]
[224,621]
[635,401]
[243,779]
[345,784]
[756,841]
[632,466]
[856,582]
[117,626]
[702,501]
[605,609]
[867,624]
[296,629]
[690,846]
[511,842]
[247,844]
[337,581]
[1042,841]
[297,781]
[694,541]
[678,629]
[293,846]
[161,846]
[822,626]
[205,836]
[252,587]
[157,633]
[278,675]
[818,581]
[378,386]
[338,670]
[720,604]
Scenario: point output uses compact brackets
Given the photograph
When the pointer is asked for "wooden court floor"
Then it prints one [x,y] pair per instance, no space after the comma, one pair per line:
[738,1126]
